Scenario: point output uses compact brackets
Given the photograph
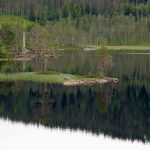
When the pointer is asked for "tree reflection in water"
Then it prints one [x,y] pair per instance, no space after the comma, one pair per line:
[119,110]
[96,109]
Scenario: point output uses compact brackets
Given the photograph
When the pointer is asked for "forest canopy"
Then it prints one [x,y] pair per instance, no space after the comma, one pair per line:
[43,10]
[85,22]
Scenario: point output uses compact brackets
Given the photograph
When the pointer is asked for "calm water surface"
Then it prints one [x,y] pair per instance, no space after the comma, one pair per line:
[83,115]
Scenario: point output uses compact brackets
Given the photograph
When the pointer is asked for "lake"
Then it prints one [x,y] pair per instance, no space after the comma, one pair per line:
[45,115]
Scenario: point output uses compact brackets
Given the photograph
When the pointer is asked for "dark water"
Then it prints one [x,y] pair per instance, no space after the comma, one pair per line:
[119,110]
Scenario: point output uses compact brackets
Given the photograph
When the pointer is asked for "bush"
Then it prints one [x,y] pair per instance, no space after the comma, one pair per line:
[38,38]
[7,36]
[1,47]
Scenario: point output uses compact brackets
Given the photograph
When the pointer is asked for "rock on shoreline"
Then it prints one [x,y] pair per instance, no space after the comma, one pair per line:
[90,81]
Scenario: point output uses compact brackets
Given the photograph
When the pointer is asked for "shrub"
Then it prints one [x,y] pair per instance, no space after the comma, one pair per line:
[7,36]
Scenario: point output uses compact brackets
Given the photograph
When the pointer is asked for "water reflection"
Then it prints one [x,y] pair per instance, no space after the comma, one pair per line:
[92,64]
[118,110]
[98,109]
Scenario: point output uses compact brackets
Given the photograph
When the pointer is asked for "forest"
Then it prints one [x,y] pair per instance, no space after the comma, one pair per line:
[45,44]
[73,23]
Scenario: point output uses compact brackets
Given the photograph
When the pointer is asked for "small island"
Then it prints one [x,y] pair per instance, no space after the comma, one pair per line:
[53,77]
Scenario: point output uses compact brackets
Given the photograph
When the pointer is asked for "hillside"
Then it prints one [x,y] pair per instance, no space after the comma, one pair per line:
[78,23]
[55,9]
[13,20]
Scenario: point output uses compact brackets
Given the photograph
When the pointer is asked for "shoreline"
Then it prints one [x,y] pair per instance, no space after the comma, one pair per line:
[125,47]
[92,81]
[58,78]
[120,48]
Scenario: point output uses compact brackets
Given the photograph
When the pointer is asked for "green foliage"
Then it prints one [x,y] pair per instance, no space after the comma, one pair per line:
[78,23]
[6,55]
[2,48]
[14,20]
[11,28]
[49,10]
[72,10]
[136,10]
[7,35]
[38,38]
[66,34]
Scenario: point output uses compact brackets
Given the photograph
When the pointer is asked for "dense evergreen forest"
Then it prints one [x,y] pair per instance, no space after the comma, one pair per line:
[76,22]
[43,10]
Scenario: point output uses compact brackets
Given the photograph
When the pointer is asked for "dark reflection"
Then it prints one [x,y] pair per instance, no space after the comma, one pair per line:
[122,113]
[119,110]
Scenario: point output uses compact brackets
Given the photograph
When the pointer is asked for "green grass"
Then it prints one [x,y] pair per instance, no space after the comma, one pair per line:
[51,77]
[4,55]
[37,77]
[125,47]
[13,20]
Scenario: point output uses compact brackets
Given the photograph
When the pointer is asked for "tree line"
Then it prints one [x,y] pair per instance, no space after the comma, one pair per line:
[78,22]
[43,10]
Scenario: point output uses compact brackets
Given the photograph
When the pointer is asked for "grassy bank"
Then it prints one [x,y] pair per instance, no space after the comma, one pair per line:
[124,47]
[60,78]
[39,77]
